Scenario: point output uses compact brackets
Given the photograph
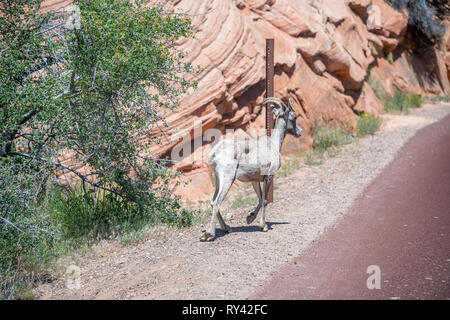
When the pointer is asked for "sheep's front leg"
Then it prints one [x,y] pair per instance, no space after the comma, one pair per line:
[262,224]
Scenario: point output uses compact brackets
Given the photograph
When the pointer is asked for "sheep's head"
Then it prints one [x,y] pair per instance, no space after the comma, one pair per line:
[279,109]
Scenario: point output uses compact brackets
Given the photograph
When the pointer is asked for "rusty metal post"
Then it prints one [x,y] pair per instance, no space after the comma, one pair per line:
[269,93]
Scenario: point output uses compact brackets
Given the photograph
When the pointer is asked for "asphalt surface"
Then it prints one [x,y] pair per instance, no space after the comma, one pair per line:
[399,225]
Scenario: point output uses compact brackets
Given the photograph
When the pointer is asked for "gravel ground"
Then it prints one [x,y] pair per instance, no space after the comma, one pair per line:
[173,264]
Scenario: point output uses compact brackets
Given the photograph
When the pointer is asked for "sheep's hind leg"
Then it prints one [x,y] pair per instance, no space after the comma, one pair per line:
[252,216]
[226,228]
[211,232]
[223,184]
[262,224]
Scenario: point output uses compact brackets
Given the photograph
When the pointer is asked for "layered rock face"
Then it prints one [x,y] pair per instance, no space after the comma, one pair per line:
[445,47]
[324,51]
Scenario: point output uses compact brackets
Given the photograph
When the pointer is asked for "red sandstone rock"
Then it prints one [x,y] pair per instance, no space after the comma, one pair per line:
[322,53]
[392,23]
[445,51]
[368,101]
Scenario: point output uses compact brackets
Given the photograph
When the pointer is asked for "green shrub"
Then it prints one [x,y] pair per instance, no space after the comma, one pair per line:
[327,137]
[132,236]
[368,124]
[24,256]
[63,89]
[402,102]
[415,100]
[312,159]
[88,216]
[438,98]
[80,216]
[27,238]
[396,103]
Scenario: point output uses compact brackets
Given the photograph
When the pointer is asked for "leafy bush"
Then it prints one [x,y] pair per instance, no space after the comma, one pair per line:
[438,98]
[91,215]
[327,137]
[27,238]
[402,102]
[368,124]
[97,91]
[396,103]
[415,100]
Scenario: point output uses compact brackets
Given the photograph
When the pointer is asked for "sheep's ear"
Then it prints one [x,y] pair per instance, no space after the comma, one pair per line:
[275,110]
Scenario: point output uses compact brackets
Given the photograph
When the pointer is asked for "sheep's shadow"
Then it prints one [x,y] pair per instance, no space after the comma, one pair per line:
[251,228]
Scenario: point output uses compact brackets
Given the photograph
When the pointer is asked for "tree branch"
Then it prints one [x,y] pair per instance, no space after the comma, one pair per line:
[63,166]
[6,149]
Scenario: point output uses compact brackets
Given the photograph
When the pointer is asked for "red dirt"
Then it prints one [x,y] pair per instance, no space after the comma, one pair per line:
[401,223]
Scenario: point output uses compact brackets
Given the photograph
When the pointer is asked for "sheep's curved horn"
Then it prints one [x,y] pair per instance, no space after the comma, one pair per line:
[290,104]
[276,101]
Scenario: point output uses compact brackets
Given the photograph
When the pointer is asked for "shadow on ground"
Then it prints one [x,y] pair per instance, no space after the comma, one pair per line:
[251,228]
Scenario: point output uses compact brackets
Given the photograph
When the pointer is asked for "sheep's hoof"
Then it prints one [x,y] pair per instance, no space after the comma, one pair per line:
[264,229]
[206,236]
[251,218]
[227,229]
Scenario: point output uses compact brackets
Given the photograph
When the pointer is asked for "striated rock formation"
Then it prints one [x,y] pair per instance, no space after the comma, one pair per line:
[324,50]
[445,49]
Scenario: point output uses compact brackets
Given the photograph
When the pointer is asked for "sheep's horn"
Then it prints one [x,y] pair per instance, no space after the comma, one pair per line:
[275,101]
[290,104]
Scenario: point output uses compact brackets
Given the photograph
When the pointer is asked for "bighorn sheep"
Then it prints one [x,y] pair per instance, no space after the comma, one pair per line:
[253,160]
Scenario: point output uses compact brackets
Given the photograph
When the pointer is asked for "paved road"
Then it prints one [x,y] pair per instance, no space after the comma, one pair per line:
[400,223]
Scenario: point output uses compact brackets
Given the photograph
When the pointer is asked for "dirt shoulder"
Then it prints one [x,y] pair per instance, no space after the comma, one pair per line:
[173,264]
